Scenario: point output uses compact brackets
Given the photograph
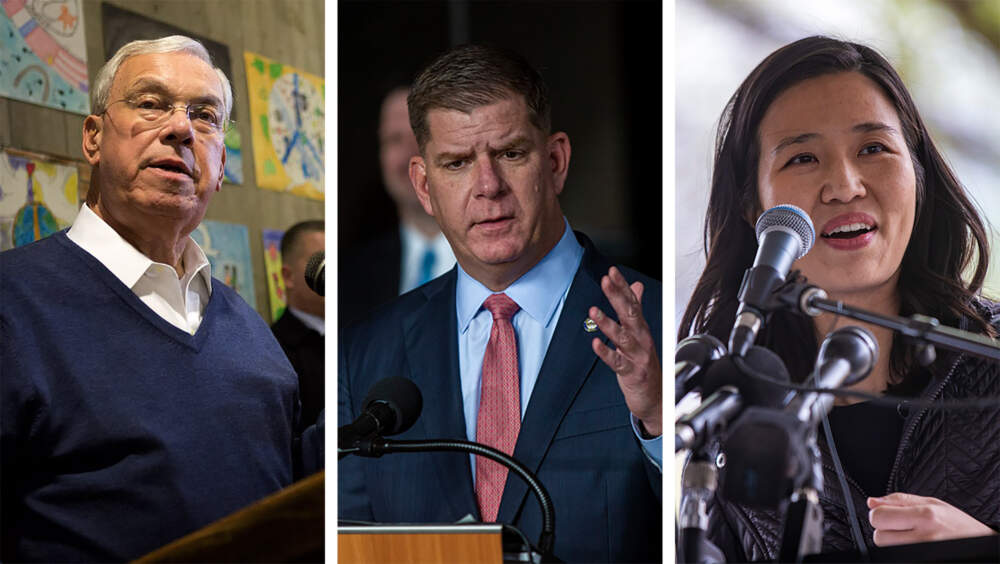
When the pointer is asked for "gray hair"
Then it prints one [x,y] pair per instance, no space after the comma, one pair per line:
[170,44]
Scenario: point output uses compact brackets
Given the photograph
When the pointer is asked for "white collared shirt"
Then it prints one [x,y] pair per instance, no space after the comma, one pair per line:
[180,301]
[414,247]
[314,322]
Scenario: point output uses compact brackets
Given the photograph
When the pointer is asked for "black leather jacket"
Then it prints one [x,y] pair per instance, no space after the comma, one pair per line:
[952,455]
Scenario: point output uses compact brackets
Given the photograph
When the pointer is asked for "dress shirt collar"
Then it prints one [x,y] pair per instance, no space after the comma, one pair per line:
[538,292]
[311,321]
[126,262]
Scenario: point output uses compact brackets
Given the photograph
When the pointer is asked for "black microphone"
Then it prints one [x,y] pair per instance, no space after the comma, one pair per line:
[845,358]
[729,390]
[391,407]
[784,234]
[315,277]
[693,357]
[766,450]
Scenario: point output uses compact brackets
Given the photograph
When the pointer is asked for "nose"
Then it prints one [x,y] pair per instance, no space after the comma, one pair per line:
[843,182]
[177,130]
[489,181]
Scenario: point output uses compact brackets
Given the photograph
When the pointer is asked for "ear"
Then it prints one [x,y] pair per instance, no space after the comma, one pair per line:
[418,177]
[92,129]
[222,169]
[559,150]
[286,274]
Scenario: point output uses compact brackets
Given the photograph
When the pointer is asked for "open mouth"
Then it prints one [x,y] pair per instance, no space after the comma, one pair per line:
[849,231]
[170,167]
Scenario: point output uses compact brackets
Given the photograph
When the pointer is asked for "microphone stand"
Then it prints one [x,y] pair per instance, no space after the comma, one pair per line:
[802,533]
[698,483]
[925,330]
[377,446]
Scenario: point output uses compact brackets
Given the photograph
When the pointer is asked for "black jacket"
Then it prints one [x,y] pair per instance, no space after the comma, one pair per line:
[953,455]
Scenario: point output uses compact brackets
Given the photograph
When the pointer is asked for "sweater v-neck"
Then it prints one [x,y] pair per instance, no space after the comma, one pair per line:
[193,342]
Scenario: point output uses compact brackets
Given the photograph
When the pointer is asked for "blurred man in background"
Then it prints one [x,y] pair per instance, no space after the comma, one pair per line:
[402,259]
[301,328]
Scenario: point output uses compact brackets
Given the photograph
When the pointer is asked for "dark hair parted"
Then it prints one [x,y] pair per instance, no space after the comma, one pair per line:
[469,76]
[947,233]
[290,240]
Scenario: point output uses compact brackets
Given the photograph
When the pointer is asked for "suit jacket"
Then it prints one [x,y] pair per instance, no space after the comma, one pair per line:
[575,434]
[369,277]
[304,348]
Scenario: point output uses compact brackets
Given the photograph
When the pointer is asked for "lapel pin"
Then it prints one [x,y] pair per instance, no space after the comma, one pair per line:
[589,325]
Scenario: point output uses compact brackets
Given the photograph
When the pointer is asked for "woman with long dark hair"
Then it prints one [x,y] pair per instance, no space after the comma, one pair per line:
[828,126]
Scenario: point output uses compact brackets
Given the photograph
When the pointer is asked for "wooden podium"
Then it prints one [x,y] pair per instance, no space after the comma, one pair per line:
[420,544]
[286,526]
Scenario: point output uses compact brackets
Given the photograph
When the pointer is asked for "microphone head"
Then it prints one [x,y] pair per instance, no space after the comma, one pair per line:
[789,218]
[402,397]
[314,275]
[725,372]
[699,349]
[854,344]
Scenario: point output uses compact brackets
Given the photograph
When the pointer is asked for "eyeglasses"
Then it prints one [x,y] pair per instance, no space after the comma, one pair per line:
[205,118]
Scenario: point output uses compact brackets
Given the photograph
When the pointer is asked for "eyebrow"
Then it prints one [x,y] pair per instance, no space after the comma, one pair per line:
[148,84]
[865,127]
[514,143]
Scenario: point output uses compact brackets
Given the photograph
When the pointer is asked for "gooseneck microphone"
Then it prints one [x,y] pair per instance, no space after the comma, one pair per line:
[391,407]
[784,234]
[315,272]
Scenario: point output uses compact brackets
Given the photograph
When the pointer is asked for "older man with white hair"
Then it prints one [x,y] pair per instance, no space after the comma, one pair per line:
[142,399]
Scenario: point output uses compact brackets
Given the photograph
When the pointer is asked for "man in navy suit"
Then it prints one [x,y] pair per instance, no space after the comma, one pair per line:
[490,173]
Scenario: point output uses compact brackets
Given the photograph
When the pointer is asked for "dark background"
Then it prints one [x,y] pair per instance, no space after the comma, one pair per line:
[602,62]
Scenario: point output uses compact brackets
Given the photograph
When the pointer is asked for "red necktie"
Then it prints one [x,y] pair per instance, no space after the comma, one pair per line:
[499,418]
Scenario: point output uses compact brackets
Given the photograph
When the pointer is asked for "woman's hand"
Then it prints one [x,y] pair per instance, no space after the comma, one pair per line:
[902,518]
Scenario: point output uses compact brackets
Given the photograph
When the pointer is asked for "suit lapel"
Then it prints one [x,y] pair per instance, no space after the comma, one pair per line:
[568,362]
[432,356]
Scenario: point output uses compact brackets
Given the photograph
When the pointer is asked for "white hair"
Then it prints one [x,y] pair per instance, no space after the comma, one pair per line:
[170,44]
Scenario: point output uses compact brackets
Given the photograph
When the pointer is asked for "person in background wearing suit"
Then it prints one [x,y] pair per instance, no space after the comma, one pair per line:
[142,398]
[534,344]
[398,261]
[301,328]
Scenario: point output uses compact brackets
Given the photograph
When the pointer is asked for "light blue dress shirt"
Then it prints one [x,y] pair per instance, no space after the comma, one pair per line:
[541,293]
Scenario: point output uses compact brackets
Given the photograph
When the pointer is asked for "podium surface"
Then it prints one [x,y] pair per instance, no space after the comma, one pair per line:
[420,544]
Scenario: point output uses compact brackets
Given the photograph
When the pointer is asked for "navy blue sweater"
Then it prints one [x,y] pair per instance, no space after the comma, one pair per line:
[121,432]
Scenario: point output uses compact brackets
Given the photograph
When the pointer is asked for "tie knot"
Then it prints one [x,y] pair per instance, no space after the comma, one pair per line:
[501,306]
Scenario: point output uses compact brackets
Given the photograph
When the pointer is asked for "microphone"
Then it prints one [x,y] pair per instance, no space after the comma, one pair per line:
[315,277]
[845,358]
[767,450]
[391,407]
[784,234]
[729,390]
[694,355]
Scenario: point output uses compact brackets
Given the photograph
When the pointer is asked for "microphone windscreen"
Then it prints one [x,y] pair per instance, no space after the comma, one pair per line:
[402,396]
[788,217]
[314,275]
[725,372]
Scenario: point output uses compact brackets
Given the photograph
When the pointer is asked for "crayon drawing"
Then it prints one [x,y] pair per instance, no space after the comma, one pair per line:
[227,246]
[37,198]
[272,266]
[287,123]
[43,55]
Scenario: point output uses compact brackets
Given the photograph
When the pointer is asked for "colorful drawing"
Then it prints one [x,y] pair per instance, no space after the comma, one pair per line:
[287,122]
[43,54]
[227,246]
[37,198]
[122,26]
[272,265]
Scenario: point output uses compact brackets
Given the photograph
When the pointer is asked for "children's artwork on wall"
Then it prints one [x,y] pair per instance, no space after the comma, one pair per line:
[122,26]
[38,197]
[272,265]
[227,246]
[287,122]
[43,54]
